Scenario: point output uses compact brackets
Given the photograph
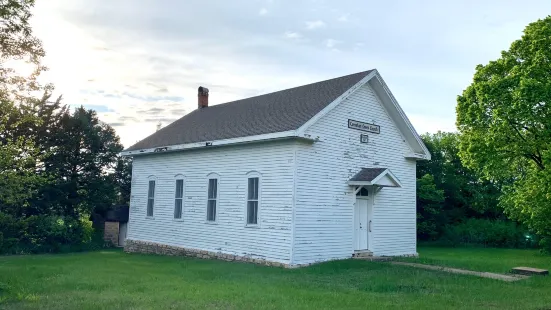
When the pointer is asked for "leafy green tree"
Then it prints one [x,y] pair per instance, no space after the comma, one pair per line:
[466,193]
[122,177]
[504,118]
[429,204]
[18,45]
[19,178]
[84,155]
[56,166]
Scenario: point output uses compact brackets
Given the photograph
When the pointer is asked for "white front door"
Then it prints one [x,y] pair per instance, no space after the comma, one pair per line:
[361,225]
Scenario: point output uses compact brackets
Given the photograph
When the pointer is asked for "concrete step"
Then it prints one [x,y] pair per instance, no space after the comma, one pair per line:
[530,271]
[375,258]
[362,254]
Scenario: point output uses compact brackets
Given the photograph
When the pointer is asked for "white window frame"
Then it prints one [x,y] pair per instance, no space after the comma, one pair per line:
[249,175]
[216,199]
[148,198]
[177,178]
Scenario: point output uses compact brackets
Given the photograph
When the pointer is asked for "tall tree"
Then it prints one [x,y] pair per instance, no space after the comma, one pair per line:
[429,207]
[19,158]
[18,47]
[504,118]
[84,155]
[464,193]
[122,177]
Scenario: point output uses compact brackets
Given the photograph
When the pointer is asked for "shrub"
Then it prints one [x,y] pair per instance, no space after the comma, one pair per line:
[45,234]
[486,232]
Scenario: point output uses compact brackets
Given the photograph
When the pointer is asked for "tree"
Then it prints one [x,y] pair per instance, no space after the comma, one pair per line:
[122,177]
[504,118]
[19,178]
[466,193]
[429,205]
[18,46]
[83,156]
[56,167]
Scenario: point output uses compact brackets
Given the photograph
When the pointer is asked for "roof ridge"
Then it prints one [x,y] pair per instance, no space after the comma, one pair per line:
[288,89]
[278,111]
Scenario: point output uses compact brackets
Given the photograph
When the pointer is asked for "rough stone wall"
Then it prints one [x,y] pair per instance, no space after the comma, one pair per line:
[135,246]
[111,232]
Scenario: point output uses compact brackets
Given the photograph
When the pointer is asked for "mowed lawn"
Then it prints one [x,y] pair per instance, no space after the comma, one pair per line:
[113,279]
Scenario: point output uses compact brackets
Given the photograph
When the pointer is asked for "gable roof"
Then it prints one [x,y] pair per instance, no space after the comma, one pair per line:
[381,177]
[275,112]
[279,115]
[367,174]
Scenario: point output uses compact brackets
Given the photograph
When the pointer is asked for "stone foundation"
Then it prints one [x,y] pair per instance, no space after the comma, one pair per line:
[136,246]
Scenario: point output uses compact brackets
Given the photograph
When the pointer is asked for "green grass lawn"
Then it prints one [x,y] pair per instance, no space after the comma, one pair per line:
[483,259]
[113,279]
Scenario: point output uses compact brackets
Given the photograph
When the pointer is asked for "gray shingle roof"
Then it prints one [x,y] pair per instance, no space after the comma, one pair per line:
[275,112]
[367,174]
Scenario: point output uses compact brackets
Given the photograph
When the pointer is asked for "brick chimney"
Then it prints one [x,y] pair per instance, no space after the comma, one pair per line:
[203,97]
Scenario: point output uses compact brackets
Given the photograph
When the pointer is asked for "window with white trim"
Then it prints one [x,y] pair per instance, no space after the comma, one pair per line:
[212,200]
[252,200]
[150,197]
[179,199]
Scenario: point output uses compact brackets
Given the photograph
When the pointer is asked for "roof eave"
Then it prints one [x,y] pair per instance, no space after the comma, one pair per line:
[292,134]
[375,181]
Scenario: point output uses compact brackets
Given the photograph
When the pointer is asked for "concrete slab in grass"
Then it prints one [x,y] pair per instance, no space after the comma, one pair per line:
[530,271]
[496,276]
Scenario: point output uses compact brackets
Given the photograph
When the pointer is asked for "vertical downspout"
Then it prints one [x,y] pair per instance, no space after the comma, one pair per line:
[293,224]
[131,202]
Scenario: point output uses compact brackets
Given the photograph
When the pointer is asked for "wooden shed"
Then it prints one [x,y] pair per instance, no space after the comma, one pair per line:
[115,228]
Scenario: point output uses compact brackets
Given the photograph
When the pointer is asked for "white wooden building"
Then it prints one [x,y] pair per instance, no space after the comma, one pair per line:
[309,174]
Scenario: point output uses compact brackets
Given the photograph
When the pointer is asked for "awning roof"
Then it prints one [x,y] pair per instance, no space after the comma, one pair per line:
[382,177]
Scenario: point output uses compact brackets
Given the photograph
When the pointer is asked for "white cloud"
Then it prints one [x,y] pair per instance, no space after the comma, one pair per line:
[132,59]
[331,43]
[292,35]
[343,18]
[263,11]
[311,25]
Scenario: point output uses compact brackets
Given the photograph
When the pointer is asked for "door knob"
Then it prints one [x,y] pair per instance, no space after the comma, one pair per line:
[369,226]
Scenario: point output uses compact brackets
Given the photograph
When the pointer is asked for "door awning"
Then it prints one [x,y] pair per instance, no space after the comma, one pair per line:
[381,177]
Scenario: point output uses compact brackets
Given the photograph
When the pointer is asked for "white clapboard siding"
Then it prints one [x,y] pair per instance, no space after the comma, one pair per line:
[323,227]
[271,240]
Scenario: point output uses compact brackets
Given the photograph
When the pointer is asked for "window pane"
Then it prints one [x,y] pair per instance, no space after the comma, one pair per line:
[179,188]
[151,190]
[252,212]
[178,209]
[211,210]
[253,188]
[150,207]
[363,192]
[212,188]
[215,191]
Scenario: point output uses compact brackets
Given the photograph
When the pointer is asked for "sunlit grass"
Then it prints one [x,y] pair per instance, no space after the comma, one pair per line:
[113,279]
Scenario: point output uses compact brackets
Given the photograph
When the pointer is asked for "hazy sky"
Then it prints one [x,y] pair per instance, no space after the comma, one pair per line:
[138,62]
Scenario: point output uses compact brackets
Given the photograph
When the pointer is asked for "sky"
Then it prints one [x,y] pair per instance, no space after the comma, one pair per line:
[140,62]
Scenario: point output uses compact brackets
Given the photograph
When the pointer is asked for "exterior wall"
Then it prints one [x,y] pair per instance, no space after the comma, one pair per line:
[270,240]
[111,232]
[324,214]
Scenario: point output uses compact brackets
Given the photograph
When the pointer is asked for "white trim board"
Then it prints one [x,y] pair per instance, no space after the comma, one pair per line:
[209,144]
